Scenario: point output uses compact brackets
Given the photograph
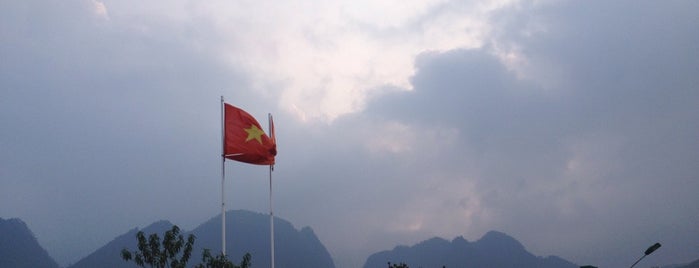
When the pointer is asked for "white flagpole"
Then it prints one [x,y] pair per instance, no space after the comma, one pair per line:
[223,179]
[271,212]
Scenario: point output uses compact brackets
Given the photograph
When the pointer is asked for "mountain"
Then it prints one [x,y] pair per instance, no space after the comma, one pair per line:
[249,232]
[246,232]
[494,250]
[694,264]
[19,248]
[110,254]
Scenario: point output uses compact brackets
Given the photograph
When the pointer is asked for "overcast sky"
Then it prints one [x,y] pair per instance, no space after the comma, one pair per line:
[571,126]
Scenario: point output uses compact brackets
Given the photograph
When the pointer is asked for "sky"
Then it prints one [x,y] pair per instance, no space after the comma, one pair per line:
[572,126]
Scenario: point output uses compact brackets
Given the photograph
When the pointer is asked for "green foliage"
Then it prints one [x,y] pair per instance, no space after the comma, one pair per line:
[150,253]
[221,261]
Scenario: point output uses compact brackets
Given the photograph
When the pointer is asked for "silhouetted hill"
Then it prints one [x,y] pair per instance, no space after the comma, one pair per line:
[694,264]
[249,232]
[494,250]
[19,248]
[245,232]
[110,254]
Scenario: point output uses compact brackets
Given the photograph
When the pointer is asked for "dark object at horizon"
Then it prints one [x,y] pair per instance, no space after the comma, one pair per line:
[652,248]
[646,253]
[588,266]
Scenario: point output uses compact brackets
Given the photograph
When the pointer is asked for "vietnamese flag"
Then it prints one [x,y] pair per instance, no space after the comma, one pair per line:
[244,139]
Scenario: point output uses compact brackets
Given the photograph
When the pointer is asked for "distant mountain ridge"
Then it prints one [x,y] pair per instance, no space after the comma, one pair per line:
[246,232]
[694,264]
[301,248]
[109,254]
[249,232]
[19,248]
[493,250]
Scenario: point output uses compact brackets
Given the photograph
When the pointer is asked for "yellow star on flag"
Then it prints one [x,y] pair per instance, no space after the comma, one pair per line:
[254,133]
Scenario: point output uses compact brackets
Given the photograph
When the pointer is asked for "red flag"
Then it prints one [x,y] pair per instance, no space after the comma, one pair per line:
[244,139]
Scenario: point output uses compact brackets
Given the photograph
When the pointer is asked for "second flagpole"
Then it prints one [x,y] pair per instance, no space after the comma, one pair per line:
[271,211]
[271,215]
[223,180]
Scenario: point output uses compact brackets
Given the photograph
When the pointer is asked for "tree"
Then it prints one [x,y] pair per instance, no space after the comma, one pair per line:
[149,251]
[221,261]
[401,265]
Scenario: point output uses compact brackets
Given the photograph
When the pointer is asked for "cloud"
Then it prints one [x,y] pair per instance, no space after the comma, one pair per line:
[325,59]
[99,115]
[100,9]
[558,156]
